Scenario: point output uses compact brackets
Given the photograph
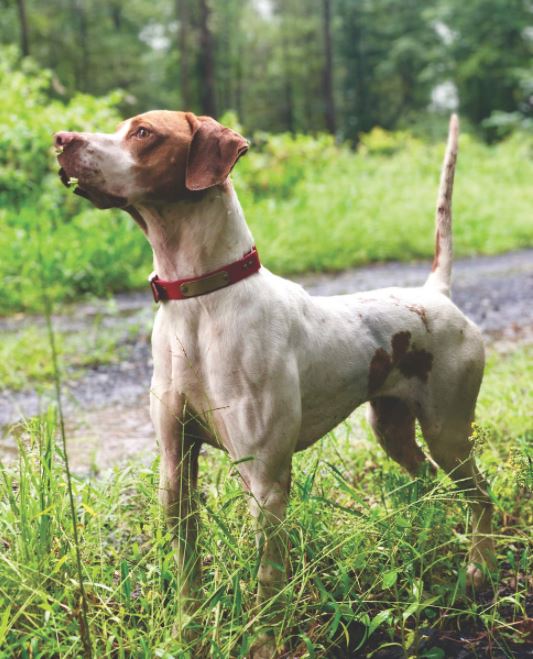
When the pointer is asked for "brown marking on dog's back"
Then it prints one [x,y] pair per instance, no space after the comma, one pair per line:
[415,308]
[421,312]
[411,363]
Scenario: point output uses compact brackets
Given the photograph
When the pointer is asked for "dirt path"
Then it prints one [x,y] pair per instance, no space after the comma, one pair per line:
[106,409]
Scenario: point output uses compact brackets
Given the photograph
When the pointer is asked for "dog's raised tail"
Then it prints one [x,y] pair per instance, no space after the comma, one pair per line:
[441,270]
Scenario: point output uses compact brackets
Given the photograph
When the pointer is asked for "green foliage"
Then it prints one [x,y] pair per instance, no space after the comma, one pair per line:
[37,215]
[382,142]
[25,353]
[376,559]
[29,119]
[492,55]
[312,204]
[391,53]
[85,254]
[329,208]
[269,59]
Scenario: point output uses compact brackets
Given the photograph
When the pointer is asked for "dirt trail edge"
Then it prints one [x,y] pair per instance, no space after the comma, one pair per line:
[107,408]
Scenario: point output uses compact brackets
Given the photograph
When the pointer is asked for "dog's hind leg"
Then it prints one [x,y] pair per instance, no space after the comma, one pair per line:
[447,432]
[452,450]
[394,426]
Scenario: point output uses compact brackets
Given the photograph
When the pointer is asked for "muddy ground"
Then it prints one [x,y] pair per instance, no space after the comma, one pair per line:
[107,407]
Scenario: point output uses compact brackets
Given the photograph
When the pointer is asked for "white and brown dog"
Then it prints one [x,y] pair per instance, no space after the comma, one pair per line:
[249,362]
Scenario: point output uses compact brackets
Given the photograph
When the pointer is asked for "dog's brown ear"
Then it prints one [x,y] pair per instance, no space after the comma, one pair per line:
[213,152]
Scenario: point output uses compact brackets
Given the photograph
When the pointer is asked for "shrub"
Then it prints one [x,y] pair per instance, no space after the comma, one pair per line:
[29,118]
[312,204]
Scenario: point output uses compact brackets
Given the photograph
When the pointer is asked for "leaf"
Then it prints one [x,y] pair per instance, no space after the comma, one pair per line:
[88,509]
[126,581]
[378,620]
[241,460]
[4,624]
[389,578]
[434,653]
[309,645]
[410,610]
[334,623]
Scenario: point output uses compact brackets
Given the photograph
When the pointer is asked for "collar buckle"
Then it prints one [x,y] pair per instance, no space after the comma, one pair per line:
[158,291]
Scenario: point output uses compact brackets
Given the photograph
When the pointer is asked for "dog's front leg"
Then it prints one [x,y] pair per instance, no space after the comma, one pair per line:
[179,444]
[268,503]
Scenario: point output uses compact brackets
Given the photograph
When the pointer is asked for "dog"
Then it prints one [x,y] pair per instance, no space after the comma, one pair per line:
[248,362]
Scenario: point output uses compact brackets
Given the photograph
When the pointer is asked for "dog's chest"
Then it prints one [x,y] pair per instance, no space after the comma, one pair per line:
[203,358]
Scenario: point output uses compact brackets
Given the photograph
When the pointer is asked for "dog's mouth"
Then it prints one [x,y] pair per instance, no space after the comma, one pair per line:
[100,199]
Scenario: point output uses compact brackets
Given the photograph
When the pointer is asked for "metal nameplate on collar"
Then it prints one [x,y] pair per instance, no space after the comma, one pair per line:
[205,285]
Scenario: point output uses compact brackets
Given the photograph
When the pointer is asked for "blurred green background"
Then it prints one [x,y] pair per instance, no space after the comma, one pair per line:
[345,102]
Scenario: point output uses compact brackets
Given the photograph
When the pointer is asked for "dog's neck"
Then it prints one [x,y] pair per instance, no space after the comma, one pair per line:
[192,238]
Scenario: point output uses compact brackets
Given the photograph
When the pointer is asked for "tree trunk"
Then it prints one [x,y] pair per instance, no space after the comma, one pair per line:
[82,63]
[23,21]
[327,80]
[238,84]
[84,43]
[184,20]
[116,16]
[207,62]
[287,82]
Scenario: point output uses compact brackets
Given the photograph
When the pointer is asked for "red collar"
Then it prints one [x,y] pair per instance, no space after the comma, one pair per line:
[181,289]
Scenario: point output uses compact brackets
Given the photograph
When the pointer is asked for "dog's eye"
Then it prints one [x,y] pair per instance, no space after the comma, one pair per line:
[142,132]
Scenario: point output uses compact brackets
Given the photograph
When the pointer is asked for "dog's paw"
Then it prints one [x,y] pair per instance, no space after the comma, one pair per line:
[482,562]
[184,633]
[475,576]
[478,573]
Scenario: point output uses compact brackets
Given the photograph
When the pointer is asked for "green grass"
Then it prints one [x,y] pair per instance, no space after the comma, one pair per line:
[25,353]
[348,209]
[377,560]
[311,205]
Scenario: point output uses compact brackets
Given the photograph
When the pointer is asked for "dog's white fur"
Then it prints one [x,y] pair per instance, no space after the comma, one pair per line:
[261,369]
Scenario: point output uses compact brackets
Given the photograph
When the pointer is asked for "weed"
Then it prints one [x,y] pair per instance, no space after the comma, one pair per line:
[377,561]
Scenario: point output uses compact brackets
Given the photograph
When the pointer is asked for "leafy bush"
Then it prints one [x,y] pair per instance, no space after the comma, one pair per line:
[312,204]
[46,233]
[277,163]
[383,142]
[29,119]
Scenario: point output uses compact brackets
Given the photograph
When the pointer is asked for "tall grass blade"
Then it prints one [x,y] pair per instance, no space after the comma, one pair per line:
[85,633]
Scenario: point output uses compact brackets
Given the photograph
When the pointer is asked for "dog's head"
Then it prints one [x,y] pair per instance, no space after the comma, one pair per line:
[155,156]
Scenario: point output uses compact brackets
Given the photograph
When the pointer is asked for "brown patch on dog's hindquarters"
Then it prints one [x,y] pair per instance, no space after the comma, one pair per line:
[411,363]
[400,345]
[416,363]
[394,426]
[380,367]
